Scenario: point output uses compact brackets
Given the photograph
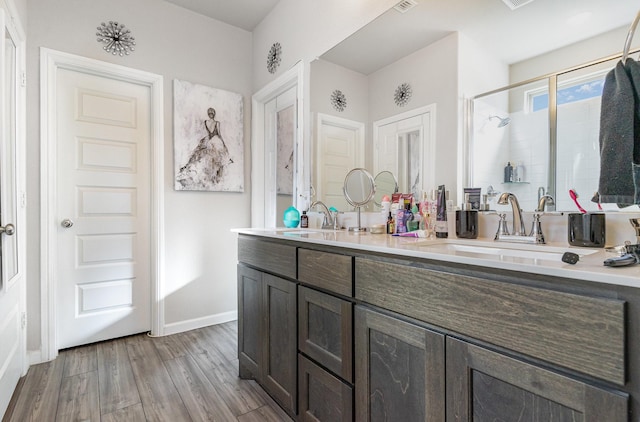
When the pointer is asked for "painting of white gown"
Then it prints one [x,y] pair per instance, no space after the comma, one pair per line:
[208,144]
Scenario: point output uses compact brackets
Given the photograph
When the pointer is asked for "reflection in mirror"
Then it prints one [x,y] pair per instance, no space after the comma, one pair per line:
[404,145]
[285,135]
[549,145]
[521,142]
[445,52]
[359,188]
[338,149]
[386,184]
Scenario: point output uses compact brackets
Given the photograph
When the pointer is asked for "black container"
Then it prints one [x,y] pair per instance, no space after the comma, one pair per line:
[587,229]
[467,224]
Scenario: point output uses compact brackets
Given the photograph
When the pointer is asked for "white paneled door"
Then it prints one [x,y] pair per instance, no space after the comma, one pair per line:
[103,208]
[12,215]
[340,145]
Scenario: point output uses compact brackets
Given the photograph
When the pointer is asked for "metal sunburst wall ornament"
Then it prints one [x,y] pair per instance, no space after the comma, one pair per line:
[273,58]
[402,95]
[338,100]
[116,38]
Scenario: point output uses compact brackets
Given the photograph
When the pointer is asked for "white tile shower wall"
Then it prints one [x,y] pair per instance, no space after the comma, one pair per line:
[526,140]
[529,145]
[578,165]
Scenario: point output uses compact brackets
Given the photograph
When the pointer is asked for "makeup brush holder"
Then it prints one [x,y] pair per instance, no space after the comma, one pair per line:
[587,230]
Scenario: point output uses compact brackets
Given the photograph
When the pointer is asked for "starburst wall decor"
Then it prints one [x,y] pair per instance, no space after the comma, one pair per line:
[274,57]
[402,94]
[116,38]
[338,100]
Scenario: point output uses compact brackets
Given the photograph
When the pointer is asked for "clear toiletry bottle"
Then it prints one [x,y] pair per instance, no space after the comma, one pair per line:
[467,220]
[304,220]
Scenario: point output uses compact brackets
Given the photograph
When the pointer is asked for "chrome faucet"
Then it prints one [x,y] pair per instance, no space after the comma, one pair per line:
[518,224]
[329,221]
[519,234]
[543,201]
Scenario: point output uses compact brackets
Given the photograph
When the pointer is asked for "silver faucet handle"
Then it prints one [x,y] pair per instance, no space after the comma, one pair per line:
[503,230]
[536,229]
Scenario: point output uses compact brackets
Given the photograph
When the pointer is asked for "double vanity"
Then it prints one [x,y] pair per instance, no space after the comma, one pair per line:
[342,326]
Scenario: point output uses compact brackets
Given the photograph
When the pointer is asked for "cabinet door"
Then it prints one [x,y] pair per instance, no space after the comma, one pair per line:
[325,331]
[250,322]
[279,341]
[483,385]
[399,370]
[323,397]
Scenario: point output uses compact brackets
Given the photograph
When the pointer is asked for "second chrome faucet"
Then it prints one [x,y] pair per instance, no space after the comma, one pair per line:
[518,233]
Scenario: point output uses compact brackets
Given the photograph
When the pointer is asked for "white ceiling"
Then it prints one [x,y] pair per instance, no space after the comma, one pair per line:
[245,14]
[509,35]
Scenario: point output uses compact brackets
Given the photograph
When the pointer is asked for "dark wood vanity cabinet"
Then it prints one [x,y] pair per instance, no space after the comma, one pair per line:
[400,370]
[483,385]
[371,337]
[267,325]
[325,336]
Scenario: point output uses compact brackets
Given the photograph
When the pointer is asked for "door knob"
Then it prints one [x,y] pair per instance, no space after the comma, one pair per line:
[9,229]
[66,223]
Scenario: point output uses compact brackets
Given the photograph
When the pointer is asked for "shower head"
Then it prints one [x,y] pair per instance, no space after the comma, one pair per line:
[502,121]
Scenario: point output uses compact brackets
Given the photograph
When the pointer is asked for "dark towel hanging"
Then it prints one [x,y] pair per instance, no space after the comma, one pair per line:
[617,138]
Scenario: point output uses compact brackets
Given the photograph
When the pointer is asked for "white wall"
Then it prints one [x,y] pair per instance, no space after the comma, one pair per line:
[175,43]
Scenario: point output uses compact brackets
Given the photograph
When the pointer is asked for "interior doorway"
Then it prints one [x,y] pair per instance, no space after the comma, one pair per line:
[102,193]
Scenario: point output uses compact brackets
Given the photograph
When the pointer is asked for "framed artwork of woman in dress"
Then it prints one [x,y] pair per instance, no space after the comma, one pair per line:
[208,138]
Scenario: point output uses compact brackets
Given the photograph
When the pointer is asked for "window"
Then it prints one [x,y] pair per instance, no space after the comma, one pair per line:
[569,91]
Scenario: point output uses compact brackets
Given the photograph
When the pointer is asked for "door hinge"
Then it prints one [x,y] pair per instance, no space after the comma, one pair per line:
[24,320]
[23,79]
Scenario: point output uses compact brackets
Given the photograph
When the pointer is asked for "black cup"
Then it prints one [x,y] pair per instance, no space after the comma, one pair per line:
[587,230]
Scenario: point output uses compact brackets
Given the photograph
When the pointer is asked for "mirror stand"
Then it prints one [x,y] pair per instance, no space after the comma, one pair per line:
[359,188]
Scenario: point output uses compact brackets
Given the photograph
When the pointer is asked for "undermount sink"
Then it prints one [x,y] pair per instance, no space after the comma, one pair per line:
[500,252]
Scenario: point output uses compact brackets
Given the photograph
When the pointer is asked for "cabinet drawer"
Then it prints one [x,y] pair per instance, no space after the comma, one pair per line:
[325,330]
[269,256]
[583,333]
[323,397]
[326,270]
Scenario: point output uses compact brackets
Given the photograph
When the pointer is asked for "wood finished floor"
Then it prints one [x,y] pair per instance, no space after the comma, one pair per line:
[191,376]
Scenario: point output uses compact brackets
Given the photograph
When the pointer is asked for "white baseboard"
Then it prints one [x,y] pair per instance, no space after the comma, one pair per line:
[192,324]
[34,357]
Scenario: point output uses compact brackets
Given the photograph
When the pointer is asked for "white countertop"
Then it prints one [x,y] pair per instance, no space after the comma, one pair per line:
[538,259]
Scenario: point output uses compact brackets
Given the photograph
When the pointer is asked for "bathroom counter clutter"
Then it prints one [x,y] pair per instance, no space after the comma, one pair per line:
[538,259]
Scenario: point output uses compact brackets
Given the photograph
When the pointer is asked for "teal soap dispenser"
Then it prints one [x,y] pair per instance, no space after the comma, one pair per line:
[291,217]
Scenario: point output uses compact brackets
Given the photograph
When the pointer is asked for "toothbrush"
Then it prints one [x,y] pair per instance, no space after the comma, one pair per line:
[574,195]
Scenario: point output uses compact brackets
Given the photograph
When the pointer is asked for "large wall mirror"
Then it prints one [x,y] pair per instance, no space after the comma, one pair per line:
[447,53]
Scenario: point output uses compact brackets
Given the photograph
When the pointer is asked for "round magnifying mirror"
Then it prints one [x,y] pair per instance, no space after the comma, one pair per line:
[359,188]
[386,184]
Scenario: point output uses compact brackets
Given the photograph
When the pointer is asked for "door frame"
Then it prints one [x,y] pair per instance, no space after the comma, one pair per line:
[263,209]
[50,62]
